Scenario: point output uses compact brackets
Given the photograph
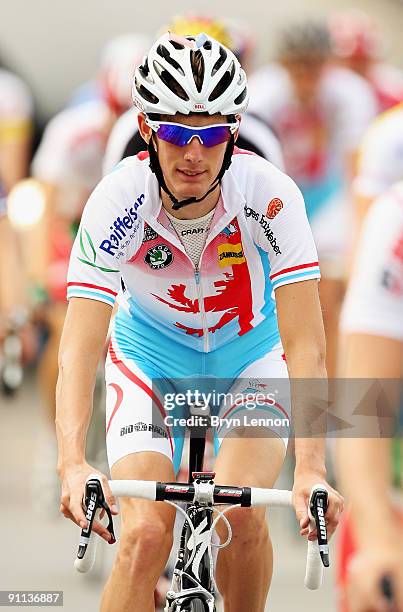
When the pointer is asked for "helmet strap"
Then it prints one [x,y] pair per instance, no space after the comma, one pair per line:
[155,167]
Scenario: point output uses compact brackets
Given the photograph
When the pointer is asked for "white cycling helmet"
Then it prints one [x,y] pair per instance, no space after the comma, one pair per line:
[166,83]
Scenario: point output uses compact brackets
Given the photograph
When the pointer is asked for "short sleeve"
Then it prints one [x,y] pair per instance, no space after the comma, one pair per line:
[296,259]
[279,225]
[94,270]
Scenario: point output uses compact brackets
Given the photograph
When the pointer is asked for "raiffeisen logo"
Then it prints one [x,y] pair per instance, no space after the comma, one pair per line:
[121,228]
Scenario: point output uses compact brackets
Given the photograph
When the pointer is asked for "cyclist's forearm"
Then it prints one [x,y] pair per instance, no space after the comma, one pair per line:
[364,472]
[74,406]
[309,403]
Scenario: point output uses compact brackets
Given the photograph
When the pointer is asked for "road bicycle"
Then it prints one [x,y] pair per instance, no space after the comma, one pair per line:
[193,586]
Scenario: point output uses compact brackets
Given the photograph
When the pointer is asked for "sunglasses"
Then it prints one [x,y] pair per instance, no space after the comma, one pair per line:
[180,135]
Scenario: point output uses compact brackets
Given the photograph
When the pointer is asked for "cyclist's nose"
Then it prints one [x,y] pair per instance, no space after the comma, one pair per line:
[194,150]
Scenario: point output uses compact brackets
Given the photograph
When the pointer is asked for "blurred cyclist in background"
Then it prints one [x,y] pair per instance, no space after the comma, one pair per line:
[68,164]
[319,113]
[380,161]
[371,542]
[255,135]
[16,109]
[357,44]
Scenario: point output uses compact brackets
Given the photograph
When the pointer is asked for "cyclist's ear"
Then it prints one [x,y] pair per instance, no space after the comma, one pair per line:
[239,119]
[144,129]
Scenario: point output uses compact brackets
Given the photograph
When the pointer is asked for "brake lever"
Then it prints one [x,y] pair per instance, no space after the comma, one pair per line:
[94,500]
[318,505]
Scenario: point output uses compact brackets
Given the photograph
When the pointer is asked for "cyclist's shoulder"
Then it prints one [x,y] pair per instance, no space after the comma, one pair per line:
[71,122]
[126,183]
[259,181]
[15,96]
[346,90]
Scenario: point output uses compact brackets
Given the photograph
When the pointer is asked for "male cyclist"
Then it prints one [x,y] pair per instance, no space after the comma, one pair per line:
[319,112]
[255,135]
[201,237]
[371,543]
[15,149]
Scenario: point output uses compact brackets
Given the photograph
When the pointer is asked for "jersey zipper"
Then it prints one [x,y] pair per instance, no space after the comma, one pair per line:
[206,343]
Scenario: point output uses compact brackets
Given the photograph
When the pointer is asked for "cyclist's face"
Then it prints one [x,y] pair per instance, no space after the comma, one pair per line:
[189,171]
[305,77]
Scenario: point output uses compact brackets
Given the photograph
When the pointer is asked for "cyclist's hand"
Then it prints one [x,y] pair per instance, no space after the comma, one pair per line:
[303,483]
[73,487]
[365,574]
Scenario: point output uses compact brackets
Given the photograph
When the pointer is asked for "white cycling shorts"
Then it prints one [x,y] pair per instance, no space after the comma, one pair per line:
[144,414]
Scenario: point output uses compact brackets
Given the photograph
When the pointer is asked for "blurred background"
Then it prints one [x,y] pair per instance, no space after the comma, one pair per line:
[62,98]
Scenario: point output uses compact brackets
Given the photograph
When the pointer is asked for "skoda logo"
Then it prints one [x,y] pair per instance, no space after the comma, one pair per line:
[159,256]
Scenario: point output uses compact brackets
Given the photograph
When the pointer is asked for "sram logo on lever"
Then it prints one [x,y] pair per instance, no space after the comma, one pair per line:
[318,506]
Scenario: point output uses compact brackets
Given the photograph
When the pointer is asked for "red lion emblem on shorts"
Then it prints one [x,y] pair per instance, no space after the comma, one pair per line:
[274,208]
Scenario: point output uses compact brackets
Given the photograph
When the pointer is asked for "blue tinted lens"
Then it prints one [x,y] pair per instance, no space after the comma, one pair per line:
[180,136]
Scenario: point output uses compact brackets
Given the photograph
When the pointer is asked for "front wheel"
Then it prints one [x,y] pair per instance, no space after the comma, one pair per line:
[193,605]
[197,605]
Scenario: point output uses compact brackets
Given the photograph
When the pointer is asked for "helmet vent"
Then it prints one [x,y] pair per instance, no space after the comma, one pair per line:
[145,93]
[176,45]
[197,63]
[207,45]
[144,69]
[241,97]
[163,52]
[170,81]
[223,84]
[220,61]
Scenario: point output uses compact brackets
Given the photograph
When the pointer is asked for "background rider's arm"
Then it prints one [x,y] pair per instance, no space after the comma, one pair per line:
[302,334]
[81,346]
[368,476]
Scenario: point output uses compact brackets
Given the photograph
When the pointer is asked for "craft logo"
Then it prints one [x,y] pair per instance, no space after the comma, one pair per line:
[274,208]
[159,257]
[193,231]
[230,254]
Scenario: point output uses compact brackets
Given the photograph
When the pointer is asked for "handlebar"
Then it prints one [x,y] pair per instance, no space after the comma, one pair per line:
[207,492]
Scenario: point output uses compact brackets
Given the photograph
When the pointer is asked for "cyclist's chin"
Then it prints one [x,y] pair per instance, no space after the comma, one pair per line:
[183,189]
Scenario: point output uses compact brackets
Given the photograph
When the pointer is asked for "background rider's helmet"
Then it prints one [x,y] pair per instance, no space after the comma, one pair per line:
[308,41]
[119,59]
[354,35]
[230,33]
[190,75]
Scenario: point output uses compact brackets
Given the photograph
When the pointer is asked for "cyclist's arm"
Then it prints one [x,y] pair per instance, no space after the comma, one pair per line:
[81,347]
[303,338]
[368,477]
[14,160]
[11,294]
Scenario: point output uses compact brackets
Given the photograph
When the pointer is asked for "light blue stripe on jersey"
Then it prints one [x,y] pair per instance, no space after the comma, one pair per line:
[90,294]
[313,272]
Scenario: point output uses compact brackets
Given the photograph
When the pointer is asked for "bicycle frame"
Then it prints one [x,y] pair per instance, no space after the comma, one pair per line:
[198,579]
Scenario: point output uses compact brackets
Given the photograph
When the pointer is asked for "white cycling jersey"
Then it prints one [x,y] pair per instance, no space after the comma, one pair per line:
[15,116]
[255,136]
[381,155]
[374,301]
[73,146]
[16,106]
[259,239]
